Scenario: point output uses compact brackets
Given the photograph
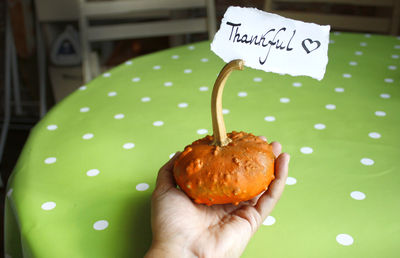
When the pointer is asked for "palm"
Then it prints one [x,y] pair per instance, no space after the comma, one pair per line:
[190,222]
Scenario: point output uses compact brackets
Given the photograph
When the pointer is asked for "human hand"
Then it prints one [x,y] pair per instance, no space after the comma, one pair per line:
[182,228]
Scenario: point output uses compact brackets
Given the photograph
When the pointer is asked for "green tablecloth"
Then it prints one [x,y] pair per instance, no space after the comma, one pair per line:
[82,185]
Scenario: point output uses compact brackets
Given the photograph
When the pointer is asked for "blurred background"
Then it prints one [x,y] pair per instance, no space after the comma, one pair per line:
[48,48]
[59,25]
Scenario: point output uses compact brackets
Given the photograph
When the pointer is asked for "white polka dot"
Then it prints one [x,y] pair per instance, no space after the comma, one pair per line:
[363,44]
[346,75]
[92,172]
[187,71]
[175,57]
[374,135]
[389,80]
[269,118]
[157,67]
[367,161]
[319,126]
[172,155]
[9,193]
[385,95]
[257,79]
[128,62]
[357,195]
[395,56]
[168,84]
[83,87]
[284,100]
[145,99]
[331,41]
[112,94]
[106,74]
[344,239]
[119,116]
[100,225]
[142,187]
[270,220]
[242,94]
[297,84]
[358,53]
[306,150]
[392,67]
[84,109]
[87,136]
[52,127]
[136,79]
[191,47]
[50,160]
[397,47]
[204,60]
[367,35]
[203,88]
[48,206]
[330,106]
[336,33]
[353,63]
[380,113]
[128,145]
[183,105]
[202,131]
[291,181]
[158,123]
[225,111]
[339,89]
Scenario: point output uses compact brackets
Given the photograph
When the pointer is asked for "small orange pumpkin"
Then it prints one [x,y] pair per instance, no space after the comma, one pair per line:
[223,168]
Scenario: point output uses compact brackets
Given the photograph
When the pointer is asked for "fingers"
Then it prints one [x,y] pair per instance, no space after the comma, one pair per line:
[276,146]
[254,200]
[165,178]
[268,200]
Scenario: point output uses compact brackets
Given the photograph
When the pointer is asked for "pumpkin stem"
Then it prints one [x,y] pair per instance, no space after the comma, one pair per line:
[219,130]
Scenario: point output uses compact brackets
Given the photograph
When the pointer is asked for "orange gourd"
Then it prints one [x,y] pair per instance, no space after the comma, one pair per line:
[224,168]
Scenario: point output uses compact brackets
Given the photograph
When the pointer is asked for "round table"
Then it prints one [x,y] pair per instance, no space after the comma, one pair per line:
[83,182]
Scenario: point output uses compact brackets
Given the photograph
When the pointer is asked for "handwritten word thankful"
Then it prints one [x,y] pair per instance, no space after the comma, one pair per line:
[268,39]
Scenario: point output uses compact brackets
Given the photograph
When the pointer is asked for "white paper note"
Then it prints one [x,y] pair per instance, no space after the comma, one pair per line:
[272,43]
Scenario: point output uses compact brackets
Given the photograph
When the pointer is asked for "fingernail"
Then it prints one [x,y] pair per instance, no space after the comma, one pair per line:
[287,158]
[262,137]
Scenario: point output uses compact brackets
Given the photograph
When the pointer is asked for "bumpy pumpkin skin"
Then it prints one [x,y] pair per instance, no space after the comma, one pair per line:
[234,173]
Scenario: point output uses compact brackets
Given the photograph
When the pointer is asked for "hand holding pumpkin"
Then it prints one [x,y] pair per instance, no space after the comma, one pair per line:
[230,174]
[182,228]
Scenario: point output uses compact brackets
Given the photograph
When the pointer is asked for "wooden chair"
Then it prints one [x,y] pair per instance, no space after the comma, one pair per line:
[117,30]
[323,12]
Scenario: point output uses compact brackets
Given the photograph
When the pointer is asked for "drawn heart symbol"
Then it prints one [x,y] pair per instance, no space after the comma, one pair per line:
[310,44]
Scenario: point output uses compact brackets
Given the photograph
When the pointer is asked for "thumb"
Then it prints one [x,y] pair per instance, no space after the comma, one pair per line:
[165,178]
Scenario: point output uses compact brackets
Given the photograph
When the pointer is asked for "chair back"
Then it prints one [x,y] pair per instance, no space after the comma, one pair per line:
[376,16]
[132,19]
